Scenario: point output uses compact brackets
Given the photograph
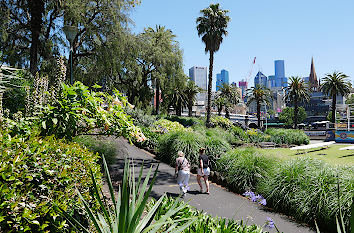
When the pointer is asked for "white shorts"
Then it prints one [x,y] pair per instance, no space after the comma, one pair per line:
[205,170]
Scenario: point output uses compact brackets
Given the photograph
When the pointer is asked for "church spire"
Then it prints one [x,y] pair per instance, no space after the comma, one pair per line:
[313,78]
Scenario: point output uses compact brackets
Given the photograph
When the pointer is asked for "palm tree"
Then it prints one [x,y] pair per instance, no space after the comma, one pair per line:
[296,92]
[191,92]
[161,39]
[219,102]
[231,96]
[211,27]
[260,95]
[335,84]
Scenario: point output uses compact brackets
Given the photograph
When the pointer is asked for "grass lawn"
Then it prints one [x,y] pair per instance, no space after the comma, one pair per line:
[331,154]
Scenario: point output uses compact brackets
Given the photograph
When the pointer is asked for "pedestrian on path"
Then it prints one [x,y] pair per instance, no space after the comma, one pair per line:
[203,170]
[182,172]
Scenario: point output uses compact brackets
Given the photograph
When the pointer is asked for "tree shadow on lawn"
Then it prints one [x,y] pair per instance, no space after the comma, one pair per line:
[305,152]
[345,156]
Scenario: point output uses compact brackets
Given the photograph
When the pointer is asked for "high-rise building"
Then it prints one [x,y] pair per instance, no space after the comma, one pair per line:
[243,85]
[260,79]
[199,76]
[222,78]
[313,82]
[280,79]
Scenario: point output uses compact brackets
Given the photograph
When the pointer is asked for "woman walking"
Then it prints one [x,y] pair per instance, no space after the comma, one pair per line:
[182,172]
[203,170]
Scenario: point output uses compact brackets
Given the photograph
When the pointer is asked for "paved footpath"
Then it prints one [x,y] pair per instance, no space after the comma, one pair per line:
[220,202]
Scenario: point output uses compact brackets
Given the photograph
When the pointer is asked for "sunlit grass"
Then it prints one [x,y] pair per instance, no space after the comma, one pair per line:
[331,154]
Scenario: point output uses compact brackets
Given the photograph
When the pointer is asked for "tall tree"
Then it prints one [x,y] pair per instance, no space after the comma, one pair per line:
[335,84]
[175,94]
[31,31]
[211,27]
[191,91]
[231,96]
[296,92]
[259,94]
[219,103]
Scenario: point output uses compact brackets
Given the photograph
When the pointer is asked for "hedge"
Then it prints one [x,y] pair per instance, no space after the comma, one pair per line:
[39,175]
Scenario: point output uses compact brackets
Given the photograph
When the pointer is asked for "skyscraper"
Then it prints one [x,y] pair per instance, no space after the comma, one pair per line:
[243,85]
[199,76]
[222,78]
[313,82]
[260,79]
[280,79]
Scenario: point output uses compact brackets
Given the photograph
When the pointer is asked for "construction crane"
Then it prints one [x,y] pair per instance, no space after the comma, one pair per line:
[251,70]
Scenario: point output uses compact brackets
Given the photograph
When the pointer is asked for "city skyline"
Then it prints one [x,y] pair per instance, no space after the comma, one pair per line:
[266,30]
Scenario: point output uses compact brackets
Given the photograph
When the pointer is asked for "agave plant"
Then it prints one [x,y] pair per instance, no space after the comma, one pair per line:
[126,212]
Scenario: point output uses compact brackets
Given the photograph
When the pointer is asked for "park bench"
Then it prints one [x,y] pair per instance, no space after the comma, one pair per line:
[267,144]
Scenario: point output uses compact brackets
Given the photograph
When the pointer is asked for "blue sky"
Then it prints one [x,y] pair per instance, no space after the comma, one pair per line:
[293,31]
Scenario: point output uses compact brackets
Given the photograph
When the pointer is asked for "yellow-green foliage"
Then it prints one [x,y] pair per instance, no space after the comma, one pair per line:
[220,121]
[166,126]
[36,176]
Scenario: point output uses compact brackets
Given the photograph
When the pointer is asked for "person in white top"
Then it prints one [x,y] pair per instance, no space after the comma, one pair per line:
[182,171]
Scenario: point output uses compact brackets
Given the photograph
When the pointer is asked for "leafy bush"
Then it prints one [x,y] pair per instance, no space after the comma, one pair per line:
[306,188]
[166,126]
[186,121]
[141,118]
[77,110]
[102,146]
[220,121]
[257,136]
[188,142]
[204,222]
[239,133]
[36,176]
[288,136]
[216,147]
[244,168]
[152,139]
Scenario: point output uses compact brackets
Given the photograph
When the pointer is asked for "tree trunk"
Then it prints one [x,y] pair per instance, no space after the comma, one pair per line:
[296,112]
[157,97]
[227,113]
[259,114]
[210,83]
[190,108]
[334,101]
[36,9]
[219,110]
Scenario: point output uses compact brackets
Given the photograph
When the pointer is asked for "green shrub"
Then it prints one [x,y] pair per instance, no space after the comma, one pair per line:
[101,145]
[220,121]
[188,142]
[257,136]
[78,109]
[152,139]
[166,126]
[244,168]
[36,176]
[239,133]
[306,189]
[186,121]
[288,136]
[204,222]
[220,133]
[216,147]
[141,118]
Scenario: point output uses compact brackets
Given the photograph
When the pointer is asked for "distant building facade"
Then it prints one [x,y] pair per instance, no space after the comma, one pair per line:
[199,76]
[280,79]
[222,78]
[243,85]
[260,79]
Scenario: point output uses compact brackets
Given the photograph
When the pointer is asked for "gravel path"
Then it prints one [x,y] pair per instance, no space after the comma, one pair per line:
[220,202]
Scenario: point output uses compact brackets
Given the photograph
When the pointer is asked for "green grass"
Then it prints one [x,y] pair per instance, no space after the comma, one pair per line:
[332,154]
